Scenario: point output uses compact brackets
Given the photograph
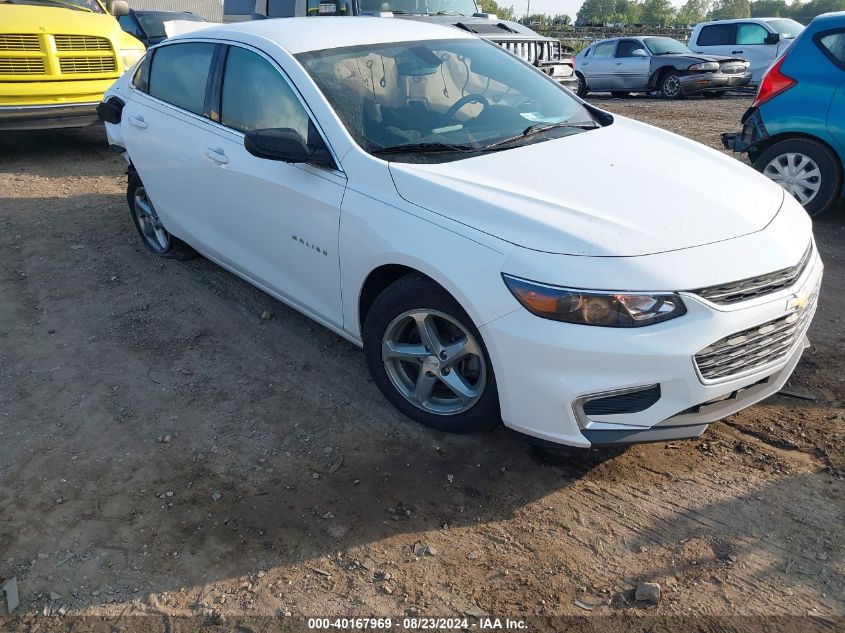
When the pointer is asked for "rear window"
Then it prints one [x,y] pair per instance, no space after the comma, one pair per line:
[716,35]
[179,74]
[833,45]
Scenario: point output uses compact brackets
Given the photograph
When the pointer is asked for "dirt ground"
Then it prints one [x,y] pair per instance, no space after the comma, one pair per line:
[170,461]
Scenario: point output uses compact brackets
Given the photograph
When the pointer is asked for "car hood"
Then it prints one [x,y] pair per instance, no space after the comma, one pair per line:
[627,189]
[25,18]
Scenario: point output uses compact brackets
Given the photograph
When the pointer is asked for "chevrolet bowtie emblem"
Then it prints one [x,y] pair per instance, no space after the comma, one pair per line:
[798,302]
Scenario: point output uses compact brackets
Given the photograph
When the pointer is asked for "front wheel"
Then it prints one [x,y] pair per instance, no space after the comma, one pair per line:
[428,359]
[806,169]
[670,86]
[145,218]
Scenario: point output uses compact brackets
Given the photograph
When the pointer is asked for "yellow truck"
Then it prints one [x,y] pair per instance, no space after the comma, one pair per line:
[57,58]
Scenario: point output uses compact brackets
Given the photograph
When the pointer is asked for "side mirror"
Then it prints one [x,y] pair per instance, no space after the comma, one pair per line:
[119,7]
[639,52]
[286,145]
[772,38]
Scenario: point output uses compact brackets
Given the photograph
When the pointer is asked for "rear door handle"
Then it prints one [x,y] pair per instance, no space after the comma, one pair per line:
[138,122]
[217,155]
[736,52]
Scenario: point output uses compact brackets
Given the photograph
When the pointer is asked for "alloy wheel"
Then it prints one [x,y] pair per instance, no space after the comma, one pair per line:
[797,173]
[434,362]
[672,86]
[153,232]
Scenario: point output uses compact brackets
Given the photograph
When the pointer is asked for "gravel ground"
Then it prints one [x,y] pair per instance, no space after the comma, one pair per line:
[169,460]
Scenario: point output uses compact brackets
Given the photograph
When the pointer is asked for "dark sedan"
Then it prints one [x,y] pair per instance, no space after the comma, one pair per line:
[148,26]
[656,64]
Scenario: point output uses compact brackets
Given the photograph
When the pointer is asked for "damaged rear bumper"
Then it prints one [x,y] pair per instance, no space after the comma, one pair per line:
[753,131]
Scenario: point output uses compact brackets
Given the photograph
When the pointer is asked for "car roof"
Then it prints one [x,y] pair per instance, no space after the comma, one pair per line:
[299,35]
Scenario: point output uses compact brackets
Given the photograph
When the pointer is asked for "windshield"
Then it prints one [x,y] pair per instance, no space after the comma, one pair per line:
[77,5]
[451,97]
[153,21]
[443,7]
[788,29]
[666,46]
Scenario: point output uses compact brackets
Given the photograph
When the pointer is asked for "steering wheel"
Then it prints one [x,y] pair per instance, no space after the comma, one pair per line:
[460,103]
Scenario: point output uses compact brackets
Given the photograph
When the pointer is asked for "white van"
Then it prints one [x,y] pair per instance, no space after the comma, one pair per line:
[759,40]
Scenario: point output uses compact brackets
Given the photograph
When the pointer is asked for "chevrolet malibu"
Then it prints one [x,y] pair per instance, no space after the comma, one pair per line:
[501,250]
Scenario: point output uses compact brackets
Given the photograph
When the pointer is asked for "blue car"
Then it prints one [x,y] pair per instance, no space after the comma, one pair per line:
[794,132]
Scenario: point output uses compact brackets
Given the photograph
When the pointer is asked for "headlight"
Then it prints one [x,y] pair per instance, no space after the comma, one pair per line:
[704,67]
[588,307]
[130,57]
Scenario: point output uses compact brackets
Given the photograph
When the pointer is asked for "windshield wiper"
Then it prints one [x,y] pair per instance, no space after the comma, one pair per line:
[414,148]
[539,128]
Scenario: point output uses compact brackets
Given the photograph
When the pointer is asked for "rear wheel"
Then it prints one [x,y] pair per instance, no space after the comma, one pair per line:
[581,90]
[808,170]
[670,86]
[428,359]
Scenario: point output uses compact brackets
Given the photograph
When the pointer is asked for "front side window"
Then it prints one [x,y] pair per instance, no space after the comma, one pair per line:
[833,45]
[786,28]
[430,98]
[626,48]
[604,51]
[179,74]
[751,34]
[716,35]
[256,96]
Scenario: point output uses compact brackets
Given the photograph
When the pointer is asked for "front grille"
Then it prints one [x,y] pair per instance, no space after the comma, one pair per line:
[756,286]
[81,43]
[755,347]
[76,65]
[532,51]
[631,402]
[21,66]
[19,42]
[733,69]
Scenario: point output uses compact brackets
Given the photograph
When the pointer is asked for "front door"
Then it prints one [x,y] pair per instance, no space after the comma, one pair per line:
[274,222]
[751,44]
[632,66]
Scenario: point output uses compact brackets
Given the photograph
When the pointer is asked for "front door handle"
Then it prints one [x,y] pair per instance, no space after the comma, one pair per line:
[736,52]
[217,155]
[618,63]
[138,122]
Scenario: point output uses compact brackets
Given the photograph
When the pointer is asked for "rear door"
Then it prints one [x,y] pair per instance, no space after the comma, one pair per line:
[715,39]
[631,70]
[164,126]
[750,43]
[598,67]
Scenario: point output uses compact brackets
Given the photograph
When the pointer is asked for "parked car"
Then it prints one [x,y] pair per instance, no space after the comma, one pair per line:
[623,65]
[546,53]
[148,26]
[794,132]
[759,40]
[57,59]
[399,182]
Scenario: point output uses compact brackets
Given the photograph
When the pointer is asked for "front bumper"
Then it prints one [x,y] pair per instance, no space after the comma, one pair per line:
[545,369]
[44,117]
[712,82]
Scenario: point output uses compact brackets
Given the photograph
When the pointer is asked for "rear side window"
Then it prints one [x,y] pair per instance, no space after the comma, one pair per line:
[833,45]
[716,35]
[603,51]
[751,34]
[256,96]
[179,74]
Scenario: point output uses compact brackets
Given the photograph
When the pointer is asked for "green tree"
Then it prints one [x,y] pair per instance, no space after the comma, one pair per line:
[626,12]
[727,9]
[769,8]
[491,6]
[806,11]
[595,12]
[658,12]
[693,12]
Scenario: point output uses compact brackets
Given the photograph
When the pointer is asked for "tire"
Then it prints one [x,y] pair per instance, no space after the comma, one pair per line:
[670,86]
[152,233]
[392,322]
[582,86]
[784,163]
[620,94]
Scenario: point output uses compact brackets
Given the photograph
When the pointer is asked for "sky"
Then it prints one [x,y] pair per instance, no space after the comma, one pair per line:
[552,7]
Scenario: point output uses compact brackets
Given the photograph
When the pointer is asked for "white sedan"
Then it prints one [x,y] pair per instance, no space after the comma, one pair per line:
[500,249]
